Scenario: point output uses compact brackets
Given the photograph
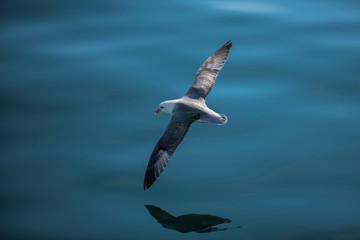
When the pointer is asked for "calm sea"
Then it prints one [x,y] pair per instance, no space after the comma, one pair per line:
[80,81]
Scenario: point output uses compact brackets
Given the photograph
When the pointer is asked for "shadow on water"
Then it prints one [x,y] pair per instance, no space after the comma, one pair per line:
[200,223]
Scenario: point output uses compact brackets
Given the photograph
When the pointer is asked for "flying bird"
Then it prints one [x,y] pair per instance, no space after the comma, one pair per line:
[186,110]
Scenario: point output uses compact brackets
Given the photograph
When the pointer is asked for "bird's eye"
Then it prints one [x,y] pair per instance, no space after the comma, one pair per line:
[161,107]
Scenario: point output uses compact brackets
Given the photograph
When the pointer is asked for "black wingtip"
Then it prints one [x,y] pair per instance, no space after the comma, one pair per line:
[149,179]
[228,45]
[147,185]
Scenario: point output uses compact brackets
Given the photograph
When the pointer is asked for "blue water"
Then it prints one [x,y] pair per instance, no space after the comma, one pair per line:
[80,81]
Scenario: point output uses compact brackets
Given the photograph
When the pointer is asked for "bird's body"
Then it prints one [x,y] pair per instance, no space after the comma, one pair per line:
[186,110]
[195,109]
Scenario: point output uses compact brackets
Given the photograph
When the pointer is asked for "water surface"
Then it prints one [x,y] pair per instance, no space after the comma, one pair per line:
[79,84]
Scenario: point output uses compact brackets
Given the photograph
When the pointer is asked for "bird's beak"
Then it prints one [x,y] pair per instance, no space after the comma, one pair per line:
[157,110]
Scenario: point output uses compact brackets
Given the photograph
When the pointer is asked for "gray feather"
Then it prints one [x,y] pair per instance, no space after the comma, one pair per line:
[165,148]
[206,75]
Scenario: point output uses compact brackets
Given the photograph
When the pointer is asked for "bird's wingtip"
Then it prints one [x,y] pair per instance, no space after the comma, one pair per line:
[147,183]
[228,44]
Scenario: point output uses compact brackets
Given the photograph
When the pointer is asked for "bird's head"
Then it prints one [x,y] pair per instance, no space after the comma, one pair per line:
[166,107]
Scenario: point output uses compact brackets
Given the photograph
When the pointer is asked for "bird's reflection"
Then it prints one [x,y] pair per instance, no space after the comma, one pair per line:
[200,223]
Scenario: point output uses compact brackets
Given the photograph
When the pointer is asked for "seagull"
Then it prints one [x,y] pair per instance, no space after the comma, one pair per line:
[186,110]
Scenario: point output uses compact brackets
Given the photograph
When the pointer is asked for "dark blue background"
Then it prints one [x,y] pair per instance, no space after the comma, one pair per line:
[80,81]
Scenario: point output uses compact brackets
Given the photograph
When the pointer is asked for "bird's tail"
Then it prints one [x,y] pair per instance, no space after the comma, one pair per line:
[223,119]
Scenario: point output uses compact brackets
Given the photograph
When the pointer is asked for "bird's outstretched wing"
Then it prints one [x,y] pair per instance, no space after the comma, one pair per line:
[165,148]
[206,75]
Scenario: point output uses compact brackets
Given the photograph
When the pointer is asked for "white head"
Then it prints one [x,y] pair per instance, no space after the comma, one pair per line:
[166,107]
